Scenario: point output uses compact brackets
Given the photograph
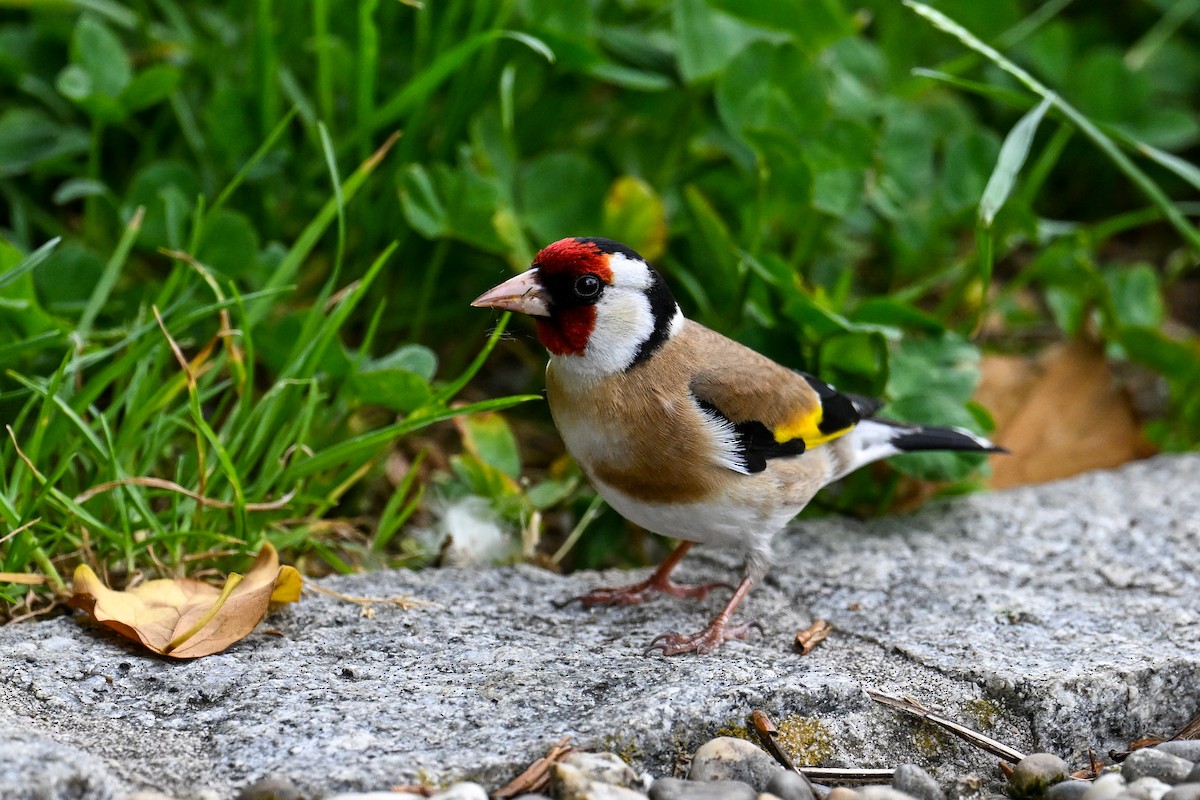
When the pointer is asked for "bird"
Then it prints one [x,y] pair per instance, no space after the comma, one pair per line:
[683,431]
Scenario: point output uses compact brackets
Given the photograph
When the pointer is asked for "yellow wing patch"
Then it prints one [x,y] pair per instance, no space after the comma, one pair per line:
[807,427]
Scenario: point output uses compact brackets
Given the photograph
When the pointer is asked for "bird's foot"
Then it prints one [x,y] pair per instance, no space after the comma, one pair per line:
[706,641]
[641,592]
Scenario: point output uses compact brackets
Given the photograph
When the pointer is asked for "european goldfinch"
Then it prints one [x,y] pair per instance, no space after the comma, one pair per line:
[683,431]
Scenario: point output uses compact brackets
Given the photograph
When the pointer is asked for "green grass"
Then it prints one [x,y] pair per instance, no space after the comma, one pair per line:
[238,240]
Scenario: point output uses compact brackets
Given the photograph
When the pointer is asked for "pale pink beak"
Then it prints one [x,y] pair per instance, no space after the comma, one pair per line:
[522,293]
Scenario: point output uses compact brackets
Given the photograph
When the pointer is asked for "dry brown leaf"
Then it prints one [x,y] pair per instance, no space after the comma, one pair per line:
[186,618]
[1060,414]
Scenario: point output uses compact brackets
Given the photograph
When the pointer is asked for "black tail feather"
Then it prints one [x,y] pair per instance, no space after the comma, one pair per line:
[913,439]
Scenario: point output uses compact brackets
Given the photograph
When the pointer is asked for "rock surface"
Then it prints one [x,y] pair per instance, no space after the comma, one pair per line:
[1052,617]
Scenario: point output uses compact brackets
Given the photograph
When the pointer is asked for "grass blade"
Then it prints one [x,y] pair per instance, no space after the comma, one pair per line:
[1012,157]
[1079,120]
[29,263]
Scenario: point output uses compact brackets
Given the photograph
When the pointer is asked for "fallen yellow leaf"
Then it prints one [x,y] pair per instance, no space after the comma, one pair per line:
[187,618]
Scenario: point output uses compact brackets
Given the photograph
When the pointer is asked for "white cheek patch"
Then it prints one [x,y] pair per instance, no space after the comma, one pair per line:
[623,322]
[628,273]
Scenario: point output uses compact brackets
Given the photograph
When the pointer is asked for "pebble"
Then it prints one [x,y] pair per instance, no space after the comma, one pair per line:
[842,793]
[1194,775]
[1184,791]
[787,785]
[1036,772]
[604,767]
[532,797]
[728,759]
[881,793]
[1146,788]
[911,779]
[1068,790]
[146,796]
[1184,748]
[270,788]
[568,782]
[968,786]
[679,789]
[1150,762]
[1108,785]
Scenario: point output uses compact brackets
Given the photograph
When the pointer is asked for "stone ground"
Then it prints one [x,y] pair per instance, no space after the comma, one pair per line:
[1054,617]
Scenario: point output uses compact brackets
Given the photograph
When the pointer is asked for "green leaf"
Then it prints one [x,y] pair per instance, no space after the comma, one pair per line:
[561,194]
[1136,296]
[1012,157]
[946,366]
[1178,360]
[491,440]
[29,138]
[708,39]
[394,389]
[229,243]
[634,214]
[814,24]
[413,358]
[442,202]
[150,87]
[98,51]
[772,88]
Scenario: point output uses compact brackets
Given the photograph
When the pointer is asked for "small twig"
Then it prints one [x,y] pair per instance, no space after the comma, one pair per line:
[910,706]
[171,486]
[402,602]
[20,528]
[537,775]
[847,775]
[811,636]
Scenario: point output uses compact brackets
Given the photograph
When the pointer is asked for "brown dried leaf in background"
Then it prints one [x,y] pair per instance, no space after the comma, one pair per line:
[1059,414]
[185,618]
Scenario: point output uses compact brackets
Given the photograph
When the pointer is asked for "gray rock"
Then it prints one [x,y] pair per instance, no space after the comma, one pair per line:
[1146,788]
[1107,786]
[787,785]
[1184,748]
[483,680]
[270,789]
[532,797]
[1194,775]
[147,796]
[32,768]
[1068,790]
[1037,772]
[843,793]
[912,780]
[604,767]
[678,789]
[1184,791]
[1150,762]
[767,796]
[730,759]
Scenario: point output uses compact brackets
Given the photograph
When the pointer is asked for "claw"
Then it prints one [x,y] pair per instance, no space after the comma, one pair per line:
[706,641]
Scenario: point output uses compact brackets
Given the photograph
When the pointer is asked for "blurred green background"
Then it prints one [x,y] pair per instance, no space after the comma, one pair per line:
[238,241]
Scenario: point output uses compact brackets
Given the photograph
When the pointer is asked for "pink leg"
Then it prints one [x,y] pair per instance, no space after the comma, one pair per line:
[658,583]
[713,636]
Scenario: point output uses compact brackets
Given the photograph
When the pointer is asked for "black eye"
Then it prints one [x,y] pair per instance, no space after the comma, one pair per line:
[587,286]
